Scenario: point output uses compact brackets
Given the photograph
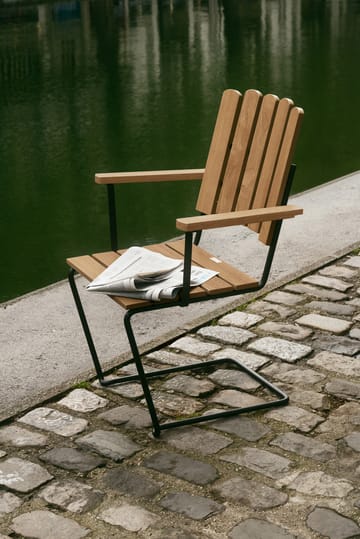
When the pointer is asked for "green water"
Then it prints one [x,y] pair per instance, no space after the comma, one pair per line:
[97,85]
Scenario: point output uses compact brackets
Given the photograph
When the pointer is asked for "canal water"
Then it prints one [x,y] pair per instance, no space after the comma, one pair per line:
[108,85]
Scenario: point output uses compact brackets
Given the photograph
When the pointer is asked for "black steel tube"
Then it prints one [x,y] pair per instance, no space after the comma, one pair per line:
[112,216]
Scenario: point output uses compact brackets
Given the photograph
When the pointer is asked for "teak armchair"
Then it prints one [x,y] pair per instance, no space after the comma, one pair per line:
[246,181]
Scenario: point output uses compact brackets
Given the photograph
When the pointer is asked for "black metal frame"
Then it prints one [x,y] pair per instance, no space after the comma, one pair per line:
[183,300]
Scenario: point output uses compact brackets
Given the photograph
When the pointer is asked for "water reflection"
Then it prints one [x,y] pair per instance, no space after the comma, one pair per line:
[99,85]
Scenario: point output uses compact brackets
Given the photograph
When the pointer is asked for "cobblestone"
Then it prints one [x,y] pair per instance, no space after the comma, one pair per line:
[325,323]
[253,528]
[331,524]
[304,446]
[280,348]
[261,461]
[251,493]
[226,334]
[86,463]
[183,467]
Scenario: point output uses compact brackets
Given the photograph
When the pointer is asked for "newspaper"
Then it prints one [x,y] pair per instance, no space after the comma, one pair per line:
[144,274]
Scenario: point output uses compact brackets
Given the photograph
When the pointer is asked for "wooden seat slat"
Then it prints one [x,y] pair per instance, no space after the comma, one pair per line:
[234,278]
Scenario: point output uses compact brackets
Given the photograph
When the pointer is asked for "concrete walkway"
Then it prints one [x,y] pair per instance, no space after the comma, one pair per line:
[43,350]
[86,464]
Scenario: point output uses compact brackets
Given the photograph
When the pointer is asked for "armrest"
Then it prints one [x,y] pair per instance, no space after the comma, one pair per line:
[243,217]
[149,176]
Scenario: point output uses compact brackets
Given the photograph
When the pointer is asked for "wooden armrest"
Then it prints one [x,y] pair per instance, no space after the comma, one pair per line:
[243,217]
[149,176]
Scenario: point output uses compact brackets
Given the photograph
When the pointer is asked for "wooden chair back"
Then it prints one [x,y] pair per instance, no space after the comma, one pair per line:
[250,155]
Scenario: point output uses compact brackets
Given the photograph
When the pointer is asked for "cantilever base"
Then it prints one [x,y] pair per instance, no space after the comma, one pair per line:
[281,400]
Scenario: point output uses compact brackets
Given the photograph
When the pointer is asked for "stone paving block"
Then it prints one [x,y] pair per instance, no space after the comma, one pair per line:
[189,385]
[340,364]
[331,524]
[9,502]
[195,507]
[234,378]
[353,440]
[285,298]
[331,307]
[261,461]
[226,334]
[327,282]
[166,357]
[341,421]
[305,446]
[47,525]
[72,459]
[235,399]
[343,389]
[251,493]
[194,346]
[321,484]
[353,261]
[130,517]
[19,437]
[196,439]
[293,375]
[194,471]
[2,454]
[280,348]
[243,427]
[72,496]
[132,416]
[22,475]
[176,405]
[51,420]
[355,302]
[325,323]
[82,400]
[338,272]
[337,344]
[290,331]
[248,359]
[111,444]
[254,528]
[314,291]
[296,417]
[312,399]
[355,333]
[267,308]
[131,483]
[240,319]
[131,390]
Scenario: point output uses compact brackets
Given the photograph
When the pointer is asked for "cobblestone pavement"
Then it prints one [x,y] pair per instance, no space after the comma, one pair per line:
[86,464]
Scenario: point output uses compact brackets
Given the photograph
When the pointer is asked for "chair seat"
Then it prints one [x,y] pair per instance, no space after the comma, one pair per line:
[228,279]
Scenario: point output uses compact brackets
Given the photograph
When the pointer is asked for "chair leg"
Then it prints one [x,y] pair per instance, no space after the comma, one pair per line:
[85,325]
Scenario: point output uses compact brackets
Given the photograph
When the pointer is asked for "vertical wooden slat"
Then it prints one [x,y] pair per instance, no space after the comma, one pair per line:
[219,151]
[271,156]
[239,151]
[257,153]
[282,168]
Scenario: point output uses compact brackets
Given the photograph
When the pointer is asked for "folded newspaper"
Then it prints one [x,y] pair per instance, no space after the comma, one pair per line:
[140,273]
